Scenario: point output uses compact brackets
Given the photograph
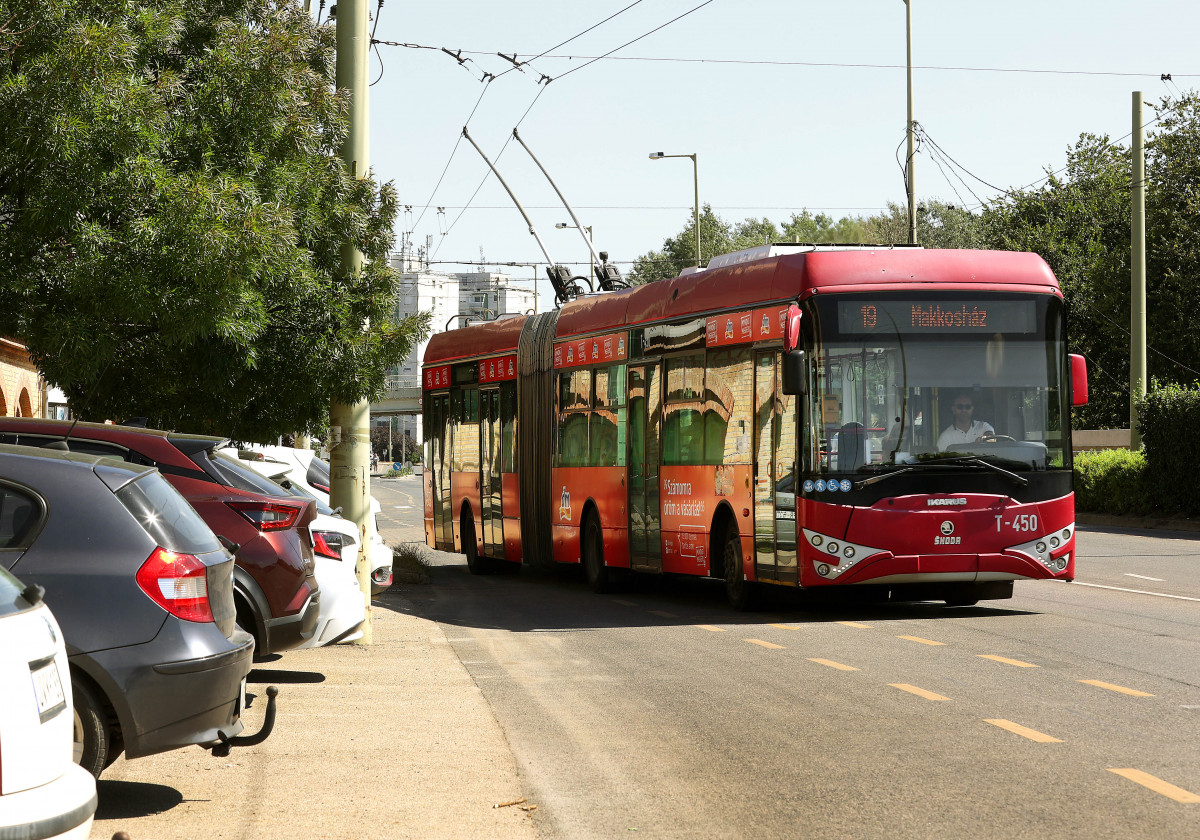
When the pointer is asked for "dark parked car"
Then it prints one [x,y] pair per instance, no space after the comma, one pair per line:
[275,590]
[143,592]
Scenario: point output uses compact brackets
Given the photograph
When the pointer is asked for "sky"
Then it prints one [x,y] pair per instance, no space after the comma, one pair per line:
[787,105]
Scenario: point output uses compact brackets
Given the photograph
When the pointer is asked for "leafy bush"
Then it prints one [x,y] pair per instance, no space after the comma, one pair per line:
[1168,419]
[1112,481]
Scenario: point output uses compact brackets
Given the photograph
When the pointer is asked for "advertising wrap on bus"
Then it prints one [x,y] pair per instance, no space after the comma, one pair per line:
[918,446]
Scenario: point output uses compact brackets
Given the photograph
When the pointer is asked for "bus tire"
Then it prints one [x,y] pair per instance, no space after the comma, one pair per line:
[742,593]
[476,564]
[598,577]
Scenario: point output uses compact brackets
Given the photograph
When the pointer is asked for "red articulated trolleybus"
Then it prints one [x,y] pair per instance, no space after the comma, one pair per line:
[813,417]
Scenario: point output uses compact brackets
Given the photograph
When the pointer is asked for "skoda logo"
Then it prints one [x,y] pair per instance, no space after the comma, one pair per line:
[947,527]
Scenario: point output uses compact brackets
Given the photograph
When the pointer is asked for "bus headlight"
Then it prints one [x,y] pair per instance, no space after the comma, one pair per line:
[851,554]
[1040,549]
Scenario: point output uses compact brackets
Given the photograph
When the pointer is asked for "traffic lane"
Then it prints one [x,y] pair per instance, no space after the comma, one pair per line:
[615,720]
[1152,561]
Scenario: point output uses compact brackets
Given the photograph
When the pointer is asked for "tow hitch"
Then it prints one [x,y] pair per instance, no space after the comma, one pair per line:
[222,749]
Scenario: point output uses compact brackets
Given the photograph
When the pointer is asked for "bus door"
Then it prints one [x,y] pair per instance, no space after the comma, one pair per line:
[645,418]
[439,431]
[489,473]
[774,473]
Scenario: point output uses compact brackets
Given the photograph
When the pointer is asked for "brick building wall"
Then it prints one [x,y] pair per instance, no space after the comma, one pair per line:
[20,385]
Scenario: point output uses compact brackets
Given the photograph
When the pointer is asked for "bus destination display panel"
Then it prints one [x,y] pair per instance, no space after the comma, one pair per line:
[868,317]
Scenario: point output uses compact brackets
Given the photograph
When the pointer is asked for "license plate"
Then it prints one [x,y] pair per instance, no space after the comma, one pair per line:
[241,704]
[47,688]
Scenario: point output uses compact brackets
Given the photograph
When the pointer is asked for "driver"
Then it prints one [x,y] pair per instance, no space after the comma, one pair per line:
[964,429]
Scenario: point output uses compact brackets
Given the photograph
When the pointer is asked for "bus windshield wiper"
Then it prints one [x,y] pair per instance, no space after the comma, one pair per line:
[976,461]
[875,479]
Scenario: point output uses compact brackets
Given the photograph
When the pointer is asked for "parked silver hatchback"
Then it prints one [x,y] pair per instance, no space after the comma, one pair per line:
[143,591]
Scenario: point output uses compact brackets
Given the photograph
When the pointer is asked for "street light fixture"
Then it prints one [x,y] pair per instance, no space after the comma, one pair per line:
[591,259]
[696,183]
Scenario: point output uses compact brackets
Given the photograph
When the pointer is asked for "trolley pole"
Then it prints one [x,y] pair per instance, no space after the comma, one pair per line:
[349,432]
[909,161]
[1137,272]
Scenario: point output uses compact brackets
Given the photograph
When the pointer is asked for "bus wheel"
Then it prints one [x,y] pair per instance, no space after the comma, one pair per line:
[598,577]
[741,592]
[476,565]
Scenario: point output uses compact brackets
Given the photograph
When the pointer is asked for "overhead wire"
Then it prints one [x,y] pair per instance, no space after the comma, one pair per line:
[543,85]
[635,40]
[835,64]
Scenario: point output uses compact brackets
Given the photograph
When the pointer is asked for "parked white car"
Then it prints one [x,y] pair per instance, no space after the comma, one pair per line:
[304,469]
[343,607]
[43,792]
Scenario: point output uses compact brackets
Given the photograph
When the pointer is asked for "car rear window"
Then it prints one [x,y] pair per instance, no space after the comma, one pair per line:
[233,474]
[10,594]
[318,472]
[19,514]
[166,515]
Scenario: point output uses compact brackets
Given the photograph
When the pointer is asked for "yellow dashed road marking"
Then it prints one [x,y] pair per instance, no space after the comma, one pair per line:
[784,626]
[663,613]
[920,692]
[624,603]
[1157,785]
[1024,732]
[764,644]
[833,664]
[855,624]
[919,639]
[711,627]
[1132,692]
[1006,660]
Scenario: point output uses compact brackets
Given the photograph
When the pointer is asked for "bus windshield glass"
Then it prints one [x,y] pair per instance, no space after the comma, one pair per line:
[935,378]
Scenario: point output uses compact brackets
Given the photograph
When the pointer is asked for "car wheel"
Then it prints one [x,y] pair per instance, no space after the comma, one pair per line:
[598,577]
[245,621]
[476,564]
[91,737]
[740,592]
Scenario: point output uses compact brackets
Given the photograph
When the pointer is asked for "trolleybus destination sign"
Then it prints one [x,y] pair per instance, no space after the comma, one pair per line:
[937,316]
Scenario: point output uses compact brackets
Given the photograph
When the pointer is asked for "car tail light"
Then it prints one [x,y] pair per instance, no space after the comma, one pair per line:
[267,516]
[331,543]
[178,583]
[320,487]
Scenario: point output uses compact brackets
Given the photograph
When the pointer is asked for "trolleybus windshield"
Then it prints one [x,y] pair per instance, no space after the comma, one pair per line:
[904,379]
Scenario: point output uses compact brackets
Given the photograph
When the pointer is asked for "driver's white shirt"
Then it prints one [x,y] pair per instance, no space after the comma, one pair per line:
[955,435]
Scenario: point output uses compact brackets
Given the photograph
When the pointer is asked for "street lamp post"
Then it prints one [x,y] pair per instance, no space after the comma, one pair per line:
[696,183]
[591,259]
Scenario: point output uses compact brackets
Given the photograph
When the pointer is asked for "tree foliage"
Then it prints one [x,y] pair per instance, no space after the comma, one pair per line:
[173,211]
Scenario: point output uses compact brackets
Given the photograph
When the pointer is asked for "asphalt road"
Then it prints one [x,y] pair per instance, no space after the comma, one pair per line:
[1071,710]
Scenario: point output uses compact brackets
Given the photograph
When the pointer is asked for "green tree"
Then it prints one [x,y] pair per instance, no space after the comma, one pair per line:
[173,210]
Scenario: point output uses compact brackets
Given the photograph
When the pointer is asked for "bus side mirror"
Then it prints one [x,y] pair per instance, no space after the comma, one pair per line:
[795,379]
[1079,381]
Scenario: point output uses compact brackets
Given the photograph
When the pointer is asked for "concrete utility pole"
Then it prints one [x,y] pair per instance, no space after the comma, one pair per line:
[349,432]
[909,161]
[1137,274]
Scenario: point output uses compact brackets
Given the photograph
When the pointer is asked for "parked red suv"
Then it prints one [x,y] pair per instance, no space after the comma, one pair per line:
[275,590]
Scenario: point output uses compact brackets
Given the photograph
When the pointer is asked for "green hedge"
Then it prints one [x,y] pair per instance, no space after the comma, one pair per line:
[1112,481]
[1160,478]
[1169,422]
